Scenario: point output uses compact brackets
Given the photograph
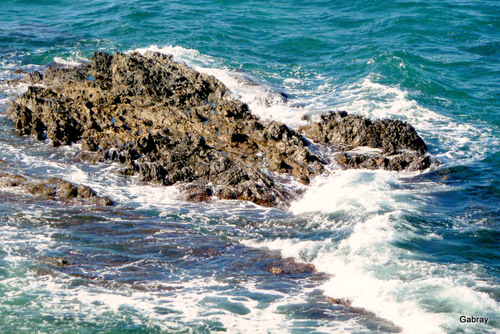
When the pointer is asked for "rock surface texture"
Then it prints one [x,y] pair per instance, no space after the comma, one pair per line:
[172,125]
[391,145]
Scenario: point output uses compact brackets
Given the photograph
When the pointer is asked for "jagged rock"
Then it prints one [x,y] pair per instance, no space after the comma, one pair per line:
[350,131]
[34,77]
[167,123]
[399,146]
[41,190]
[66,190]
[90,195]
[173,125]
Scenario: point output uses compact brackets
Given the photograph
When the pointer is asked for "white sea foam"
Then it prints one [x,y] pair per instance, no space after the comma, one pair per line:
[345,191]
[359,263]
[11,91]
[355,279]
[374,274]
[72,61]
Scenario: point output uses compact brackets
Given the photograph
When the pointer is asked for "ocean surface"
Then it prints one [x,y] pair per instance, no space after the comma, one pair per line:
[407,252]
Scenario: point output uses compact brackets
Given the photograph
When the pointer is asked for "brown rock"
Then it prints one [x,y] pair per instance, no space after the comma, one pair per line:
[400,147]
[276,271]
[339,301]
[172,125]
[167,123]
[54,189]
[41,190]
[66,190]
[289,266]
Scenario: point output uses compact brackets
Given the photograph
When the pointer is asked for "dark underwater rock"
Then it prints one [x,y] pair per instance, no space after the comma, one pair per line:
[288,266]
[54,189]
[173,125]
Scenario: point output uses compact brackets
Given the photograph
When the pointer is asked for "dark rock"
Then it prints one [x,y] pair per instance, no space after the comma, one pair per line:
[54,189]
[288,266]
[197,191]
[66,190]
[167,123]
[101,65]
[41,190]
[400,147]
[172,125]
[90,195]
[350,131]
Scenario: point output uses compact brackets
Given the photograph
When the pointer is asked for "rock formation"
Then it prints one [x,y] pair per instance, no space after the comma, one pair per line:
[173,125]
[395,145]
[53,189]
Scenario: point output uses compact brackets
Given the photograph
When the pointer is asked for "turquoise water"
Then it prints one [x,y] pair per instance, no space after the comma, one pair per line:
[411,252]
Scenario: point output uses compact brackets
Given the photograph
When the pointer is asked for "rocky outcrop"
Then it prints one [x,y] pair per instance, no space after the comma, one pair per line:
[167,123]
[363,143]
[54,189]
[172,125]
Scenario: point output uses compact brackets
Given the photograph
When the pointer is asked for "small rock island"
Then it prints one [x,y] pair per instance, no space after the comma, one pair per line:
[173,125]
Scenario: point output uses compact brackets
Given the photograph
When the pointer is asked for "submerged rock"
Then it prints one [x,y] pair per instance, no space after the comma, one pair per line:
[338,301]
[173,125]
[54,189]
[289,266]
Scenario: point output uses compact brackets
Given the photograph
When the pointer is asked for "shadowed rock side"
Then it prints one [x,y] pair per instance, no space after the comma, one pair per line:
[171,124]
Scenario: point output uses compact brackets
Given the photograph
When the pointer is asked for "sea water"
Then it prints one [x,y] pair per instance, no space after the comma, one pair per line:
[405,252]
